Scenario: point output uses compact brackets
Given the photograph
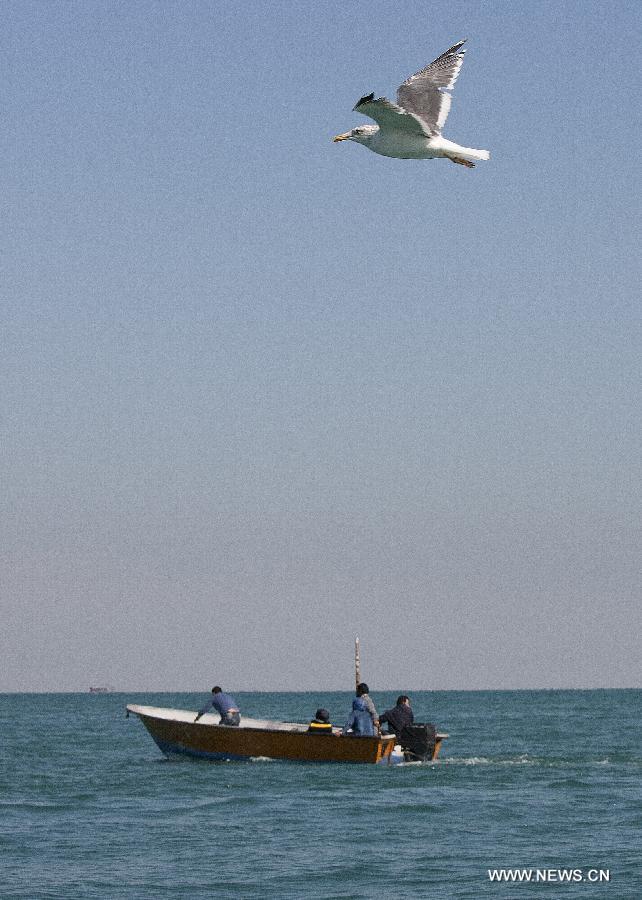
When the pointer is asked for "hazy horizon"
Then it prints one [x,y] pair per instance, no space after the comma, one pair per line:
[348,691]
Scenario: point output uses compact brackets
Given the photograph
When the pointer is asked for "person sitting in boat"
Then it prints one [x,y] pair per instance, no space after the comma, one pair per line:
[360,721]
[321,723]
[363,694]
[224,704]
[398,717]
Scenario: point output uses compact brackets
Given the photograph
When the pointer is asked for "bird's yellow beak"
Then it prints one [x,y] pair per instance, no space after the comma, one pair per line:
[341,137]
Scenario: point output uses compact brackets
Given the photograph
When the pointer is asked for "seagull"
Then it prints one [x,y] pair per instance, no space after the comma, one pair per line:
[411,127]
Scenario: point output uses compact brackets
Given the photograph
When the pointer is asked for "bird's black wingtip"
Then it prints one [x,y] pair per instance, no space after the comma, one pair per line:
[367,99]
[455,50]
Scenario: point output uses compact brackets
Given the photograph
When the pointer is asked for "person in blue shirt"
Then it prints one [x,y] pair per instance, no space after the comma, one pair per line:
[363,691]
[224,704]
[360,721]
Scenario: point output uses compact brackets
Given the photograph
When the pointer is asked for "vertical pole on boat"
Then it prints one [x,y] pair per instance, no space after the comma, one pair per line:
[357,663]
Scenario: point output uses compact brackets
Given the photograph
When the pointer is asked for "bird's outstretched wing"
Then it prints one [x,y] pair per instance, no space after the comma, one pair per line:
[389,116]
[423,94]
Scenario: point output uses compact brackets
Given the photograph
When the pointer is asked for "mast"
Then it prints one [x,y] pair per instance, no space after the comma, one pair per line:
[357,663]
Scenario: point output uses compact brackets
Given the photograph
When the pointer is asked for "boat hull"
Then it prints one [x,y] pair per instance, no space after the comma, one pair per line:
[176,734]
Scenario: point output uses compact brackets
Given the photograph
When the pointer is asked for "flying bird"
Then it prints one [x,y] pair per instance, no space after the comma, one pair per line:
[411,127]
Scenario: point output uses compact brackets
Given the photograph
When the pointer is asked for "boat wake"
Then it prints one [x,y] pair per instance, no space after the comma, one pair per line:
[522,760]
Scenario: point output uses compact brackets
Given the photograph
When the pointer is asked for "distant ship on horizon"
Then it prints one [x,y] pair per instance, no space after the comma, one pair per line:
[101,690]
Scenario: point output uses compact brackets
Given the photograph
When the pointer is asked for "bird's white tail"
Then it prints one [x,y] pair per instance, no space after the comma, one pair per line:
[471,153]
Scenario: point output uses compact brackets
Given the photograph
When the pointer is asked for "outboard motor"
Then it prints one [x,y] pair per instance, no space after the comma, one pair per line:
[418,742]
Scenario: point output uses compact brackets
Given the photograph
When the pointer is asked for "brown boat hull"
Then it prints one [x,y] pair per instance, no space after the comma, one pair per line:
[220,742]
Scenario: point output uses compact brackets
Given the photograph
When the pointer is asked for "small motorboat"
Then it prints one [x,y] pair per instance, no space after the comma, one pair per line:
[177,734]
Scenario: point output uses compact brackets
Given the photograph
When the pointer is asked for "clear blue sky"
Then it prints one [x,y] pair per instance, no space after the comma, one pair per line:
[260,392]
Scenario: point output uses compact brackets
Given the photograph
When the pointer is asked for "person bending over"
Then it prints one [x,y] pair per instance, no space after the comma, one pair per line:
[224,704]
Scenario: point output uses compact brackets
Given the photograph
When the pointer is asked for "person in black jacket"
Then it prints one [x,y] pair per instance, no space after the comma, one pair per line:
[398,717]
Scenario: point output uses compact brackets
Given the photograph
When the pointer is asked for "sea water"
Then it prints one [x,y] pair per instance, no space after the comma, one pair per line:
[542,781]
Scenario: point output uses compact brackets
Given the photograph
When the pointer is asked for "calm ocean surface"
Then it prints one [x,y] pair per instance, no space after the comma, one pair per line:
[541,779]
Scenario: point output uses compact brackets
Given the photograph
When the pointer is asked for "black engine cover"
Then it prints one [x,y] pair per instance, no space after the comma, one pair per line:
[418,741]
